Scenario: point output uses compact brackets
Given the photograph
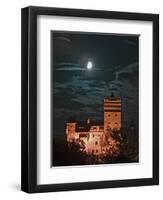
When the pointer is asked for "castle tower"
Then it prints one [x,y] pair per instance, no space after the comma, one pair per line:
[70,130]
[112,113]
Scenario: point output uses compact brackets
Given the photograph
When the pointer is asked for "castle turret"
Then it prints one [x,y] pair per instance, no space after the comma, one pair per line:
[70,130]
[112,113]
[88,121]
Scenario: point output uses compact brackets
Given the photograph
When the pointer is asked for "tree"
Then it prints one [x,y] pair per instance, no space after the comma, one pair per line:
[71,153]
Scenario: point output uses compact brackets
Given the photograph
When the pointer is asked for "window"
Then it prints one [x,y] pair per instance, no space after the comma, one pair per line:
[116,123]
[96,151]
[96,143]
[116,115]
[92,151]
[108,115]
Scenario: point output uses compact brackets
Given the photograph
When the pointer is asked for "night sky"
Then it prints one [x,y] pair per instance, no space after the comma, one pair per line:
[78,92]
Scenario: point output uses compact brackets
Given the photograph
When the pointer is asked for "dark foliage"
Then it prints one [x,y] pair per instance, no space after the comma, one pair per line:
[129,147]
[67,154]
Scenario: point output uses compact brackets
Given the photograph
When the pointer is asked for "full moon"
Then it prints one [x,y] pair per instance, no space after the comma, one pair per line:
[89,65]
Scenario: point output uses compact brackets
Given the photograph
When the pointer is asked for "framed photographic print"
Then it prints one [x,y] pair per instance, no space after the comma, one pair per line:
[90,99]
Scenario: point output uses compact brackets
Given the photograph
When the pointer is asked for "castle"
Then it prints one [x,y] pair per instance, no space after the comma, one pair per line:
[96,134]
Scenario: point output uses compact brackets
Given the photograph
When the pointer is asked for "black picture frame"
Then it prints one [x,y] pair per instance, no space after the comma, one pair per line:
[29,99]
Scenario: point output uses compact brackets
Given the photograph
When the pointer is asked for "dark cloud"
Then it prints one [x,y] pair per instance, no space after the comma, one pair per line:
[63,39]
[130,42]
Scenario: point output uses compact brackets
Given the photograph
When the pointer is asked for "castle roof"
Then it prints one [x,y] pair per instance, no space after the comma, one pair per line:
[112,97]
[83,126]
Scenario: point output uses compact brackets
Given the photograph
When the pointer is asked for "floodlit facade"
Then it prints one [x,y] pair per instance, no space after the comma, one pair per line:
[96,134]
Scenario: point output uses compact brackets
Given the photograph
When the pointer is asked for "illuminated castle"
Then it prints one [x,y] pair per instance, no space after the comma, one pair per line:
[96,134]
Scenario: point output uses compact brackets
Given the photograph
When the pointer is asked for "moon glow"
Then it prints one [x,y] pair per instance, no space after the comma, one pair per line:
[89,65]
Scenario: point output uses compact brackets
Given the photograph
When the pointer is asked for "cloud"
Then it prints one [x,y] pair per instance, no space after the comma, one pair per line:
[82,96]
[126,80]
[128,69]
[68,66]
[125,85]
[79,93]
[130,42]
[63,39]
[71,69]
